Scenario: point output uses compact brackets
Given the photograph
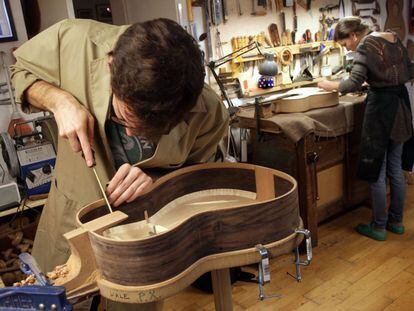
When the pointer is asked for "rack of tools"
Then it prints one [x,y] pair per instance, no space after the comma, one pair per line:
[309,54]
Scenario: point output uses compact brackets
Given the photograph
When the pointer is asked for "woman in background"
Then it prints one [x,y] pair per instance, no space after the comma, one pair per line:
[381,61]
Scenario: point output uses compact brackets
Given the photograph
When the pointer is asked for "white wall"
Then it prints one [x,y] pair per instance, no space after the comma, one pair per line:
[138,11]
[119,12]
[17,13]
[52,11]
[20,27]
[141,10]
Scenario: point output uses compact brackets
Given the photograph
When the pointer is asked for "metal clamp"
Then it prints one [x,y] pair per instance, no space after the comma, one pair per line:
[298,261]
[313,158]
[264,272]
[29,266]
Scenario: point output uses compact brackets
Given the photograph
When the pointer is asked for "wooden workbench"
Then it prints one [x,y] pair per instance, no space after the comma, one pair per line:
[327,186]
[24,205]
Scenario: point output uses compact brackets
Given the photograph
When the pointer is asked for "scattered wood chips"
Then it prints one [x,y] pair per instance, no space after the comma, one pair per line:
[59,272]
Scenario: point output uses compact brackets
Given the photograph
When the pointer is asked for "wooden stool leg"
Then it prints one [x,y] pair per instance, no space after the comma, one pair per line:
[222,289]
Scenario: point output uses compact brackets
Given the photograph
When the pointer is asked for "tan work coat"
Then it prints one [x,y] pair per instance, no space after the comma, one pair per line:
[72,55]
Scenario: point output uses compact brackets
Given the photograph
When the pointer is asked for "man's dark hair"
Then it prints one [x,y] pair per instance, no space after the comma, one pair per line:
[157,69]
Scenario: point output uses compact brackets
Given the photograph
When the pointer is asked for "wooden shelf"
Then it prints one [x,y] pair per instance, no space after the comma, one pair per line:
[25,205]
[295,49]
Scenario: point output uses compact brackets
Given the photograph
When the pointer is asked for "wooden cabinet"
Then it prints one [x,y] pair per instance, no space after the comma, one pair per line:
[325,169]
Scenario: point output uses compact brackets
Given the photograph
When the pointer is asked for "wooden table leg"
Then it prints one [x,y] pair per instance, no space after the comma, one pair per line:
[307,181]
[222,289]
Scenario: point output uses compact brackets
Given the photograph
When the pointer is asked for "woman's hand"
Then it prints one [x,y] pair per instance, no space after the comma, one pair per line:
[328,85]
[128,183]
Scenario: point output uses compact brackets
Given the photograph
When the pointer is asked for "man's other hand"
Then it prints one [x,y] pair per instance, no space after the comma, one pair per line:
[128,183]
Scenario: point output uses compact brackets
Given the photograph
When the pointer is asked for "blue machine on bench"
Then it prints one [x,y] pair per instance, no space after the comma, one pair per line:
[33,297]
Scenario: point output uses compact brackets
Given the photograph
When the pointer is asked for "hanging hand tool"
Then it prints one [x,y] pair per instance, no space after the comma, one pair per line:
[323,27]
[283,37]
[266,39]
[283,20]
[260,3]
[305,4]
[331,34]
[295,23]
[216,12]
[207,12]
[375,23]
[368,10]
[303,39]
[239,7]
[190,17]
[274,34]
[341,4]
[308,36]
[278,5]
[289,37]
[329,21]
[219,44]
[224,9]
[328,8]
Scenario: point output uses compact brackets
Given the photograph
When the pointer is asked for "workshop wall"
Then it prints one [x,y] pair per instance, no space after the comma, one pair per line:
[248,24]
[53,11]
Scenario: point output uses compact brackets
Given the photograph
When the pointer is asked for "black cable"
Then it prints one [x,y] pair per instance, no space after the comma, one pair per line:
[17,211]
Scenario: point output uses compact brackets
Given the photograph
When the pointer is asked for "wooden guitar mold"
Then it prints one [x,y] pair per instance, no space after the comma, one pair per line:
[395,20]
[206,217]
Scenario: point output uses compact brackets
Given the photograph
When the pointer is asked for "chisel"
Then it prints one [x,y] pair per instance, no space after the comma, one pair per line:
[99,182]
[102,189]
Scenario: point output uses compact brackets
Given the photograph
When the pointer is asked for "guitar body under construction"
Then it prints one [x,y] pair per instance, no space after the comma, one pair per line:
[304,99]
[197,219]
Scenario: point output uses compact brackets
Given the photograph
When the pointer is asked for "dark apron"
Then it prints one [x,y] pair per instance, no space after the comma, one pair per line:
[380,112]
[408,155]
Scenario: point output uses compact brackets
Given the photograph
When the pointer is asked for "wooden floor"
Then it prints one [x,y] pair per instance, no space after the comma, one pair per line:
[348,272]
